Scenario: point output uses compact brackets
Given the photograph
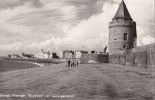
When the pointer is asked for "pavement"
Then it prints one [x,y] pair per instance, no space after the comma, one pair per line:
[86,82]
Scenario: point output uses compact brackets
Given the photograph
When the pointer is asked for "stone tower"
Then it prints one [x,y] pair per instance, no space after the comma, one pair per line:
[122,31]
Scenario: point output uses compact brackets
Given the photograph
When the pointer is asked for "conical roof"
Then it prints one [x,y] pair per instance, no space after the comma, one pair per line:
[122,12]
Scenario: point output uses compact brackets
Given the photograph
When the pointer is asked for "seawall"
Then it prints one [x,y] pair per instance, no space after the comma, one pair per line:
[142,56]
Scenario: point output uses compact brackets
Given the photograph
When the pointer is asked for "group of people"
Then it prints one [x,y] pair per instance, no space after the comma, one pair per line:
[72,63]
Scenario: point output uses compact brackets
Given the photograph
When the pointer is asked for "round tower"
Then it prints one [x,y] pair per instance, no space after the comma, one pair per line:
[122,31]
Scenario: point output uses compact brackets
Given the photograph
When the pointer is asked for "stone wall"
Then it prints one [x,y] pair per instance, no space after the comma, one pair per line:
[140,56]
[94,58]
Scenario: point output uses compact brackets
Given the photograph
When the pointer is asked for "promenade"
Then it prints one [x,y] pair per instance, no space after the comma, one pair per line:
[86,82]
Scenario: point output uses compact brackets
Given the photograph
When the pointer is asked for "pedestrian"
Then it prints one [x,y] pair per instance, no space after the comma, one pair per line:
[73,63]
[66,63]
[69,63]
[77,63]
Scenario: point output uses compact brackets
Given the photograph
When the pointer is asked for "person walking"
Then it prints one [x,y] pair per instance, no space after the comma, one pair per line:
[77,63]
[66,63]
[69,63]
[73,63]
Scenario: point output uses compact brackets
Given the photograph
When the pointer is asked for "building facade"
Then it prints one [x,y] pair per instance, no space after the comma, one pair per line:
[44,55]
[78,54]
[60,54]
[66,54]
[122,31]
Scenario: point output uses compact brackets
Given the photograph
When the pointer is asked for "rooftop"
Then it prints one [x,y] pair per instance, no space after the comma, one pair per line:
[122,12]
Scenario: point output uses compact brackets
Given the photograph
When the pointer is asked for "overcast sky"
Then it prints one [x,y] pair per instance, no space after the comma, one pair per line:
[56,25]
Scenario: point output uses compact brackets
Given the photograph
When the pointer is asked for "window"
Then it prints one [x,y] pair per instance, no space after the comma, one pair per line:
[123,46]
[125,37]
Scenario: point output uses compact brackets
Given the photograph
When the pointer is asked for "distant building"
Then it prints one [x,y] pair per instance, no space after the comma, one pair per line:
[27,55]
[122,31]
[14,56]
[66,54]
[73,54]
[55,55]
[78,54]
[44,55]
[60,54]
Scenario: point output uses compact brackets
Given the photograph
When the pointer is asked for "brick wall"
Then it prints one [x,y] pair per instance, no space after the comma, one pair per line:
[116,34]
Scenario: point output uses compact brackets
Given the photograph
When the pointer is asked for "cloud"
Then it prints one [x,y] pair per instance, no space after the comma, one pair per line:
[89,34]
[148,40]
[68,24]
[8,30]
[11,4]
[26,21]
[13,46]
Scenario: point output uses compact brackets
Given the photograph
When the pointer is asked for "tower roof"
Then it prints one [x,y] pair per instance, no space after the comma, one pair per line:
[122,12]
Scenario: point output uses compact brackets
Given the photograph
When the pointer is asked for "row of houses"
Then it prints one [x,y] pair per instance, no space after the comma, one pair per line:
[49,55]
[46,55]
[75,54]
[65,54]
[41,55]
[62,55]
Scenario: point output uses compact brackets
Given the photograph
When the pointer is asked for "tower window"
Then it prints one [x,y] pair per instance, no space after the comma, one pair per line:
[125,37]
[123,46]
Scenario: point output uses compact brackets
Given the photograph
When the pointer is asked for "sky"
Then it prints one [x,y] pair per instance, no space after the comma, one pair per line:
[56,25]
